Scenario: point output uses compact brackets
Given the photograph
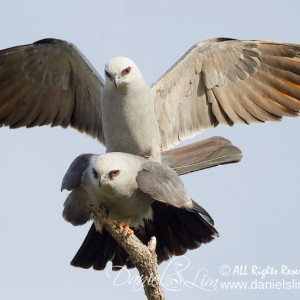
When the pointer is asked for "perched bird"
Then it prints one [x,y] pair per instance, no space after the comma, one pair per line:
[144,194]
[218,81]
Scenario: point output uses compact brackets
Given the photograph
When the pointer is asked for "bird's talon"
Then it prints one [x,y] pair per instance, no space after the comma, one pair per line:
[130,231]
[125,229]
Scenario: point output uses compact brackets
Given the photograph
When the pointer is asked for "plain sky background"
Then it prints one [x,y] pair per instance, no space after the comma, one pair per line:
[255,204]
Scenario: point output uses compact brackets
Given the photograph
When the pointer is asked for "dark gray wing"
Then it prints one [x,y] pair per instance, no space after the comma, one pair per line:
[50,82]
[72,178]
[162,184]
[76,211]
[180,225]
[225,81]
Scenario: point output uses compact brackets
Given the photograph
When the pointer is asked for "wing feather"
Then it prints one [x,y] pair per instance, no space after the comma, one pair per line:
[162,184]
[73,176]
[226,81]
[50,82]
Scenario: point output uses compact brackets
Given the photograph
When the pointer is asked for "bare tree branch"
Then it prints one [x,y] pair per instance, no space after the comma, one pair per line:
[143,257]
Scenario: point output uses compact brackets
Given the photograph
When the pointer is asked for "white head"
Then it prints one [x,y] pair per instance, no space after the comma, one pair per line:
[121,71]
[114,173]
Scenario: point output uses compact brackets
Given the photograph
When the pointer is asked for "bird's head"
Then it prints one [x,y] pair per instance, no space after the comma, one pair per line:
[121,71]
[113,174]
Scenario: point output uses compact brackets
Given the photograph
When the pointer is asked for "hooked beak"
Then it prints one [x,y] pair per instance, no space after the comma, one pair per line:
[116,81]
[101,180]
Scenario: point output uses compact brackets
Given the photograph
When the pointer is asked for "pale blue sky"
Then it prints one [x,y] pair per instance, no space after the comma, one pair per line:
[255,203]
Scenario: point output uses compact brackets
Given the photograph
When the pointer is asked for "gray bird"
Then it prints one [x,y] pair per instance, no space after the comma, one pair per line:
[145,194]
[218,81]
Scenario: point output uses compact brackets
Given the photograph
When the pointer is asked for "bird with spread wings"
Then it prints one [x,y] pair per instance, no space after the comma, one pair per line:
[218,81]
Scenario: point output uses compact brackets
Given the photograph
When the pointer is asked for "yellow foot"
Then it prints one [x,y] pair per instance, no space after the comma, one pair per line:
[124,227]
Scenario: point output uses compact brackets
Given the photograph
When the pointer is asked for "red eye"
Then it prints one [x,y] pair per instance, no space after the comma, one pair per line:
[126,71]
[114,173]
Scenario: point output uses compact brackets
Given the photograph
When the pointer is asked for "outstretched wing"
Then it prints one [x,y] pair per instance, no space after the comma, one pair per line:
[50,82]
[225,81]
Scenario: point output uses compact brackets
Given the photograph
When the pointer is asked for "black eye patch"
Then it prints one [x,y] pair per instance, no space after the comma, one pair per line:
[108,75]
[95,173]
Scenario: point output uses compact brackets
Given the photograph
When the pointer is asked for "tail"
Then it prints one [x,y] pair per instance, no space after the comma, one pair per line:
[201,155]
[97,249]
[176,230]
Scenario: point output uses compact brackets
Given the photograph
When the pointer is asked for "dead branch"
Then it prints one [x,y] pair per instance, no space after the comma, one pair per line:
[143,257]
